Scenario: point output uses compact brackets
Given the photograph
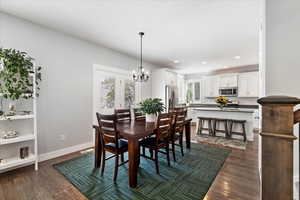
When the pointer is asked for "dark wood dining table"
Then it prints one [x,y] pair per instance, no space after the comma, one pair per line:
[134,131]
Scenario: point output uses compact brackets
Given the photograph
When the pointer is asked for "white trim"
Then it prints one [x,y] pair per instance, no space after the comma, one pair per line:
[116,70]
[296,187]
[65,151]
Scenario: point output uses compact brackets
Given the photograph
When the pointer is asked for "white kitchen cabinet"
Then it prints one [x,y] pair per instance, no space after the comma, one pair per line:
[228,80]
[248,84]
[211,86]
[181,89]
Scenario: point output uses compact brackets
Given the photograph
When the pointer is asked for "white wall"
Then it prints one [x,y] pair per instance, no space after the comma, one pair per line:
[65,102]
[282,52]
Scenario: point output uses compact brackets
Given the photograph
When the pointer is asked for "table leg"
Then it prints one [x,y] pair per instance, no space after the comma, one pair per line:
[98,149]
[188,134]
[133,154]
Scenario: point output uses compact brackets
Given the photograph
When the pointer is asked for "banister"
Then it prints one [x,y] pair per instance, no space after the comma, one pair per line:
[278,119]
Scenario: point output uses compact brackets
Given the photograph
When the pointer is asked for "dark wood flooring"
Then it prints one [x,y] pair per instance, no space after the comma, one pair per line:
[237,180]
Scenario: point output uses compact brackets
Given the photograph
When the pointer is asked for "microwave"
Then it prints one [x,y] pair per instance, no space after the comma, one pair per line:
[228,92]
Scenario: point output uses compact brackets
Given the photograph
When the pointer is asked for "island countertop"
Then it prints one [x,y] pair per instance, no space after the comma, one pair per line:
[244,110]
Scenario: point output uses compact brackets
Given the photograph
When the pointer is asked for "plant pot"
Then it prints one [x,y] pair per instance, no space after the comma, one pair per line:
[151,117]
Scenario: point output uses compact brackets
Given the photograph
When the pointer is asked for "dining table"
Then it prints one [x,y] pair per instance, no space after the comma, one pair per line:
[134,131]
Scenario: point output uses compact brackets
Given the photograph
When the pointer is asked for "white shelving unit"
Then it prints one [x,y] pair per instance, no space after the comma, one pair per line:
[10,148]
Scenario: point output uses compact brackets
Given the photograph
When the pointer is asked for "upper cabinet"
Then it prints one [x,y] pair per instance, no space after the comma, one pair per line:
[248,84]
[211,86]
[228,80]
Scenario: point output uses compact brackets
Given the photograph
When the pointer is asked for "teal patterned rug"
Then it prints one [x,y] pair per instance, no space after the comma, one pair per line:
[187,179]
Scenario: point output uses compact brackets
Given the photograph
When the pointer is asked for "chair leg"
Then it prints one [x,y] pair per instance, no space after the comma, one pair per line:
[116,167]
[103,163]
[156,161]
[122,157]
[144,149]
[244,132]
[151,153]
[173,151]
[168,154]
[181,144]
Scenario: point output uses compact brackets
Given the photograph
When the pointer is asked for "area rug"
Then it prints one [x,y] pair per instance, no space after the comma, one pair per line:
[232,143]
[187,179]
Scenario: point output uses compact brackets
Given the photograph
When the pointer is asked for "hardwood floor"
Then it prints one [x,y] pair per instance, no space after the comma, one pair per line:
[237,180]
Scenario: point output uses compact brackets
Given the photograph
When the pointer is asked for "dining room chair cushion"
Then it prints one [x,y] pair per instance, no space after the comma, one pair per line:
[123,145]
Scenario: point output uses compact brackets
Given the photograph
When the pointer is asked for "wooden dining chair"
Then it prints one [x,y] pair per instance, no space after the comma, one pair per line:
[111,142]
[138,115]
[177,132]
[123,115]
[160,139]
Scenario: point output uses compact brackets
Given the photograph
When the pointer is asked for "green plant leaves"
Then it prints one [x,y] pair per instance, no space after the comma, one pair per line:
[152,106]
[16,74]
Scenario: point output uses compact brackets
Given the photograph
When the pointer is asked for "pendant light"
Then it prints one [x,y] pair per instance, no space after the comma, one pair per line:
[141,75]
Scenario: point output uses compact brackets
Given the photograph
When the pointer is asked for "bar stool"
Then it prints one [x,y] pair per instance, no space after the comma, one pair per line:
[233,122]
[220,121]
[201,124]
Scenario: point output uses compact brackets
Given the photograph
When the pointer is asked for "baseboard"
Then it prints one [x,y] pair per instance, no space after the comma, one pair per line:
[65,151]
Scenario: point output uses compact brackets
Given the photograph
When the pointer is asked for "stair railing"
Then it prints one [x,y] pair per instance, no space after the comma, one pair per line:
[277,141]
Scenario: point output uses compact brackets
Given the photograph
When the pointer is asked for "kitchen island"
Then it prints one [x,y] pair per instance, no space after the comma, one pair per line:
[227,113]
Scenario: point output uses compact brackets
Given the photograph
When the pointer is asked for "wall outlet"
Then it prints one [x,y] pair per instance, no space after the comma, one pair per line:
[62,137]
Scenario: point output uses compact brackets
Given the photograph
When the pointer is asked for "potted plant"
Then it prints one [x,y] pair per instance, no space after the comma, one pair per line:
[151,107]
[16,72]
[222,101]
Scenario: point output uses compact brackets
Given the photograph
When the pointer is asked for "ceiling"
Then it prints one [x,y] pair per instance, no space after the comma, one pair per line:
[190,31]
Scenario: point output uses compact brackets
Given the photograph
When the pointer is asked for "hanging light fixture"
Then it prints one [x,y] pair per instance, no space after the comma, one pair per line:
[141,75]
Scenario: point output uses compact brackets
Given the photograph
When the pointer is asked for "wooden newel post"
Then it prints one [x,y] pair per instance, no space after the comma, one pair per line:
[277,147]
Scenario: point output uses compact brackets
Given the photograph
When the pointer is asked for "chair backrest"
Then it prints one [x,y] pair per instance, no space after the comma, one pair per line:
[123,115]
[178,125]
[179,109]
[138,115]
[164,123]
[108,130]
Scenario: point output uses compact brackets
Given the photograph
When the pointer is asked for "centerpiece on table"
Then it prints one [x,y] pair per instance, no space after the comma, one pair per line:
[222,101]
[151,107]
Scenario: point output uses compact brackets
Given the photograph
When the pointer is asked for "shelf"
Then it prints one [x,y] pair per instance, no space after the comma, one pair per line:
[21,138]
[14,162]
[16,117]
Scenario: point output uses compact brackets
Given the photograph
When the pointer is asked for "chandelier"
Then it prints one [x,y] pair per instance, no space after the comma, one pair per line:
[141,75]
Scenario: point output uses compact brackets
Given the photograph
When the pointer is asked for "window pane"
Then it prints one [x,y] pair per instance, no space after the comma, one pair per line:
[129,93]
[197,91]
[108,90]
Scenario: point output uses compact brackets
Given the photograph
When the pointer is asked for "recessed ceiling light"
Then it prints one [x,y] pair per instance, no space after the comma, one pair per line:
[204,62]
[225,67]
[237,57]
[176,61]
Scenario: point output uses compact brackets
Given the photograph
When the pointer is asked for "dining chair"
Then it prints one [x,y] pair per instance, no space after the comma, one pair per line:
[160,139]
[177,132]
[138,115]
[123,115]
[111,142]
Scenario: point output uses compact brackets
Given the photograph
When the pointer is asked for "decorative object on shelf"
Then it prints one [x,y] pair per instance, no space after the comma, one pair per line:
[222,101]
[151,107]
[189,96]
[10,134]
[16,70]
[24,152]
[141,75]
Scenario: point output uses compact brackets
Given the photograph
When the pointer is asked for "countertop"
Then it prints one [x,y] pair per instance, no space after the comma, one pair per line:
[244,110]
